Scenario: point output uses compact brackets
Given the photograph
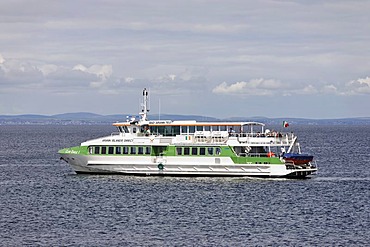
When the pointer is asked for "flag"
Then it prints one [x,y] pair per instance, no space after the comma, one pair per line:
[285,124]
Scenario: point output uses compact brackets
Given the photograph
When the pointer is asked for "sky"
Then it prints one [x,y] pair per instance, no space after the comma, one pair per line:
[235,58]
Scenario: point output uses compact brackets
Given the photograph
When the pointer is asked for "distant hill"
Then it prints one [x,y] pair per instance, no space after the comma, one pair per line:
[76,115]
[78,118]
[25,116]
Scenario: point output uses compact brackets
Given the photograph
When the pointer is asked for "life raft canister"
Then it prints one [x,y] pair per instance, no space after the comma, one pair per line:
[270,154]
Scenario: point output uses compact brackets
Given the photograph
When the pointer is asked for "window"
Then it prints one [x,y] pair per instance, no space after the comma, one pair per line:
[158,150]
[91,150]
[202,151]
[191,129]
[153,129]
[194,151]
[103,150]
[140,150]
[176,130]
[186,151]
[160,130]
[125,150]
[199,128]
[207,128]
[171,130]
[97,150]
[110,150]
[133,150]
[178,151]
[218,151]
[147,150]
[210,151]
[118,150]
[202,139]
[184,129]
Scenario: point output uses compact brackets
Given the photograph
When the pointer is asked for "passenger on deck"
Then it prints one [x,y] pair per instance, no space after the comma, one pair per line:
[282,152]
[231,132]
[146,130]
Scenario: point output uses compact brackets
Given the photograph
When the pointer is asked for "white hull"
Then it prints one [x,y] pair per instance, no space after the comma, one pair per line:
[173,166]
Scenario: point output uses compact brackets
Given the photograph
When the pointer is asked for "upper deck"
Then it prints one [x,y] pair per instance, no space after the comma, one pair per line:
[238,133]
[173,128]
[187,123]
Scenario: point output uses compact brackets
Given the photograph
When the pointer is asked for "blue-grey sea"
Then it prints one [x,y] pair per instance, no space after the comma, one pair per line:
[44,203]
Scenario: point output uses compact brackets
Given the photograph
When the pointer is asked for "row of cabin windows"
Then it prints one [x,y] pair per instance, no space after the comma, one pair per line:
[198,151]
[177,130]
[119,150]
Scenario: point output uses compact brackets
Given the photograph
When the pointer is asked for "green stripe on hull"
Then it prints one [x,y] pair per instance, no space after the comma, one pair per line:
[83,150]
[257,160]
[226,151]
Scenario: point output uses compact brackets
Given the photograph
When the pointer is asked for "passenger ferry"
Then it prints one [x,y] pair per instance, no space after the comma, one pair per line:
[191,148]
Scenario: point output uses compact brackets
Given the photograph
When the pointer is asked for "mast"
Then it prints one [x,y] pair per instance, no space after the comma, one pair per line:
[144,106]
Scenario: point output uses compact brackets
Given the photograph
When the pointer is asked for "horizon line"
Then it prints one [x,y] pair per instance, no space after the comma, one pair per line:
[220,118]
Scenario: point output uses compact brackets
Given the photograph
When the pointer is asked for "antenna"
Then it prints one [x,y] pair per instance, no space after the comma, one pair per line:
[144,106]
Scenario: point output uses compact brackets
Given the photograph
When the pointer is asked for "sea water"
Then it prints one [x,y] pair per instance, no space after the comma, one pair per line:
[44,203]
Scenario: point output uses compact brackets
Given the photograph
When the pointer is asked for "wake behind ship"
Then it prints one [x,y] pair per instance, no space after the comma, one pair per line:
[191,148]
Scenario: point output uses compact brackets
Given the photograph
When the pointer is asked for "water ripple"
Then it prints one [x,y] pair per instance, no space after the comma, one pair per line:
[43,203]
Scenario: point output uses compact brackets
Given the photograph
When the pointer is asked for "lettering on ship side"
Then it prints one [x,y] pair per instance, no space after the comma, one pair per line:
[113,140]
[160,122]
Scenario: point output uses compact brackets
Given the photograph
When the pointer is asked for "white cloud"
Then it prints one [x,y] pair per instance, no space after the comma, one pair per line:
[172,77]
[308,90]
[102,71]
[80,67]
[48,69]
[364,81]
[16,75]
[224,88]
[253,87]
[359,86]
[275,87]
[166,78]
[330,89]
[129,79]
